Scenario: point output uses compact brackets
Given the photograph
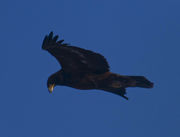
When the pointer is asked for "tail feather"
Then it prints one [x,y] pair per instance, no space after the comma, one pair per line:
[140,81]
[117,84]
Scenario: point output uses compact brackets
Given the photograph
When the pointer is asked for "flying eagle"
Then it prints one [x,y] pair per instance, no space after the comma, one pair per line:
[85,69]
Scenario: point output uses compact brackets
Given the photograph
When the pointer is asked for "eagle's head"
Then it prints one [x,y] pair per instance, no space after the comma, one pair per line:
[53,80]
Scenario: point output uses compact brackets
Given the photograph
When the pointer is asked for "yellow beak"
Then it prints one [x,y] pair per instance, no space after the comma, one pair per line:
[51,87]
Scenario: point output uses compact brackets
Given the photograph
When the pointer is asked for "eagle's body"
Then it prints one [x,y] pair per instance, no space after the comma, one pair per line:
[84,69]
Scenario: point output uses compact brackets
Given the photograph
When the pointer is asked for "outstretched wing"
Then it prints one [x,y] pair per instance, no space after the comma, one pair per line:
[74,59]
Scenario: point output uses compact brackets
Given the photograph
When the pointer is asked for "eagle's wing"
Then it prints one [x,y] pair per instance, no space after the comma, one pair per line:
[74,59]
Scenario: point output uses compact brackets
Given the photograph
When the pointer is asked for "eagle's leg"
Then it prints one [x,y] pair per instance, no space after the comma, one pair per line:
[118,91]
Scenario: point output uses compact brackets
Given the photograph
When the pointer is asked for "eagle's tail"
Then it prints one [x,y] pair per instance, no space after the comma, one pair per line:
[119,83]
[139,81]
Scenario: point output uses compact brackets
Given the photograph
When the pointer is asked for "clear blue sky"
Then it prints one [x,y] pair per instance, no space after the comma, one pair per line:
[138,37]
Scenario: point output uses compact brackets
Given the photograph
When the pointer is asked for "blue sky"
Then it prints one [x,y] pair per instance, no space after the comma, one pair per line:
[138,37]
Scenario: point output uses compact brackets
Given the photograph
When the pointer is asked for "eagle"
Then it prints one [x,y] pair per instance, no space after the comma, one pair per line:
[84,69]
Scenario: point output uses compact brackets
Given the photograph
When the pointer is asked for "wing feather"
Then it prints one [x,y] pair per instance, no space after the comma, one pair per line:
[74,59]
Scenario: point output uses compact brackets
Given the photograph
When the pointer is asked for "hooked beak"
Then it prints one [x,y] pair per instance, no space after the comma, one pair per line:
[51,87]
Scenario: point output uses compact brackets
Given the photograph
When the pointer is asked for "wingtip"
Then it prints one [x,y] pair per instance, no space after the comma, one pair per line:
[44,41]
[55,38]
[47,38]
[51,35]
[60,41]
[50,41]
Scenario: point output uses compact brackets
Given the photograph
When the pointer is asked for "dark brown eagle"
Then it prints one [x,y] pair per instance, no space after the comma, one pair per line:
[84,69]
